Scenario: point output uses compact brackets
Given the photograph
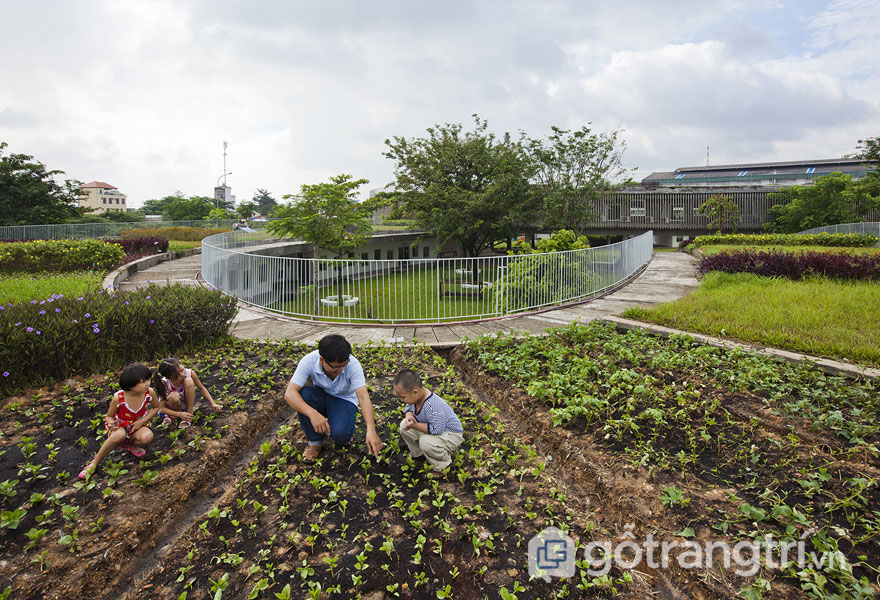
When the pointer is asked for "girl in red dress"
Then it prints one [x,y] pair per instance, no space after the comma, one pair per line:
[130,410]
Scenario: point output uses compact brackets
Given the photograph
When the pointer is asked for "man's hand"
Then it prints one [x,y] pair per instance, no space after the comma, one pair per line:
[374,444]
[320,423]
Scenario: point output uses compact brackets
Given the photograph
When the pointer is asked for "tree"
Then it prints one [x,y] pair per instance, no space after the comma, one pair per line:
[29,194]
[264,201]
[469,187]
[245,210]
[194,208]
[327,215]
[831,199]
[721,212]
[220,214]
[572,169]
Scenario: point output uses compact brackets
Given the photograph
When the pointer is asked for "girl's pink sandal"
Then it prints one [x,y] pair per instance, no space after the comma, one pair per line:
[136,451]
[84,474]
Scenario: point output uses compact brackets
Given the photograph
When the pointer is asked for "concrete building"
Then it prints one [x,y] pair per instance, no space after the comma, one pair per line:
[771,174]
[102,197]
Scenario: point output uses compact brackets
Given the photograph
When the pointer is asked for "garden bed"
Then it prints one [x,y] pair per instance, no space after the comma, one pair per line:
[225,508]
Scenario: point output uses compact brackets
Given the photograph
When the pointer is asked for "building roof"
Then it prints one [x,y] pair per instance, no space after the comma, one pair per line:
[754,172]
[99,184]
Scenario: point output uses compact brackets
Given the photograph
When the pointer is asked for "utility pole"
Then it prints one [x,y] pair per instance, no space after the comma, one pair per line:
[225,173]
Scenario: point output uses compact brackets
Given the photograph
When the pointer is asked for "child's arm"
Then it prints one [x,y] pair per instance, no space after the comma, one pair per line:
[110,417]
[154,409]
[204,391]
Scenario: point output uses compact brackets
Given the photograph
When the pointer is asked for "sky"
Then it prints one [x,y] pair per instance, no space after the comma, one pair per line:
[142,94]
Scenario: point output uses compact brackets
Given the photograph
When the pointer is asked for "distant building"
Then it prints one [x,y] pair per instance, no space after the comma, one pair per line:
[102,197]
[769,174]
[223,193]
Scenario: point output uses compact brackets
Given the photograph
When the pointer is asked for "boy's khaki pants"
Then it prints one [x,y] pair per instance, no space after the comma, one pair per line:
[437,449]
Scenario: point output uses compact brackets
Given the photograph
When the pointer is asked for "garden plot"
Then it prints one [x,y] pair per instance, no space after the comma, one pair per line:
[692,443]
[185,522]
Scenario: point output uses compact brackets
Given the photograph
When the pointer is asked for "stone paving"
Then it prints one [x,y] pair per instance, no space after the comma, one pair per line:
[668,276]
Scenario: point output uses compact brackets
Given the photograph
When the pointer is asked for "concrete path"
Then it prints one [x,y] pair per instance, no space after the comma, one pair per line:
[669,276]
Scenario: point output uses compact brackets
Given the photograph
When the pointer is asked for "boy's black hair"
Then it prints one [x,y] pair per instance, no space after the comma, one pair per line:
[408,379]
[334,348]
[133,374]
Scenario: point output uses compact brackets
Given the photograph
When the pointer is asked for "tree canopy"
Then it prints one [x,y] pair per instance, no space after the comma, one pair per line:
[572,169]
[29,194]
[178,207]
[264,201]
[326,215]
[721,212]
[831,199]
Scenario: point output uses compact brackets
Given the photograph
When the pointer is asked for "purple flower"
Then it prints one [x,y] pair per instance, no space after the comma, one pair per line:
[1,307]
[37,332]
[80,298]
[88,315]
[33,301]
[96,330]
[57,310]
[42,312]
[42,302]
[17,324]
[126,302]
[152,321]
[148,298]
[30,329]
[75,321]
[5,373]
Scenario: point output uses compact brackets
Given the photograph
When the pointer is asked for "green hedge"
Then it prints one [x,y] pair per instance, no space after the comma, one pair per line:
[849,240]
[59,256]
[49,340]
[180,234]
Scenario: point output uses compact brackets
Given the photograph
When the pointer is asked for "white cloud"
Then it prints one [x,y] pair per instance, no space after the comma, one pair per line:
[142,94]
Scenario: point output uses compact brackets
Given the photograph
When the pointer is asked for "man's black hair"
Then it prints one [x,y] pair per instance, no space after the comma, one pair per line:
[133,374]
[334,348]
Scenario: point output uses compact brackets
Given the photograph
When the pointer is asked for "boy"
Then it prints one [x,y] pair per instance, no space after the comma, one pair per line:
[430,426]
[330,404]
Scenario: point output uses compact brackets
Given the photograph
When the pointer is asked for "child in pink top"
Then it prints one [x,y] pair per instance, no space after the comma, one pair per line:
[177,388]
[130,410]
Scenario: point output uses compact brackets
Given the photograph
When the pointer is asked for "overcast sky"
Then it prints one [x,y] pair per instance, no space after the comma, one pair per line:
[142,93]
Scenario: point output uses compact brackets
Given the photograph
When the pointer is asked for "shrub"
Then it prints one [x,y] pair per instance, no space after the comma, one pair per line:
[55,338]
[59,255]
[183,234]
[142,245]
[849,240]
[836,265]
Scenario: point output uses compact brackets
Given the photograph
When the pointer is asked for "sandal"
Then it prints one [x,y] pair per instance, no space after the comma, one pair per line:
[86,472]
[184,424]
[136,451]
[166,421]
[311,453]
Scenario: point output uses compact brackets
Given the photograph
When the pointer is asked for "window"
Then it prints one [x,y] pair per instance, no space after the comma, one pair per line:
[403,252]
[426,252]
[680,176]
[390,255]
[377,254]
[103,200]
[637,208]
[678,213]
[364,256]
[742,173]
[811,170]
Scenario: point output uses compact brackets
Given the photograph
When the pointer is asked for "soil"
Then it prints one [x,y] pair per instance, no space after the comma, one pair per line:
[227,506]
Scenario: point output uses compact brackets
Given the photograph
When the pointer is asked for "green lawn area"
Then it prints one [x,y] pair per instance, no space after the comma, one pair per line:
[24,287]
[816,316]
[715,249]
[177,246]
[412,296]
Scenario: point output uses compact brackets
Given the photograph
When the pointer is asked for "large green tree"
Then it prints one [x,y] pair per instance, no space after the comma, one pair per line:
[327,215]
[721,212]
[466,186]
[30,195]
[572,169]
[181,208]
[831,199]
[264,201]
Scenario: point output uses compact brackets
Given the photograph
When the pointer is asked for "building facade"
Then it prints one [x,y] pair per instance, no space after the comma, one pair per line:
[102,197]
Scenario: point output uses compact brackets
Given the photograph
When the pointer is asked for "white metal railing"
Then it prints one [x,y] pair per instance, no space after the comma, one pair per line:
[415,290]
[872,228]
[82,231]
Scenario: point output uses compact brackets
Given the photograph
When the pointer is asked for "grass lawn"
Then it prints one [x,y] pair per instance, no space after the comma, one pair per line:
[715,249]
[816,316]
[24,287]
[178,246]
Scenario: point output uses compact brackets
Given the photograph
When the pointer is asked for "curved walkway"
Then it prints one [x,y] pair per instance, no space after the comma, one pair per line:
[668,276]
